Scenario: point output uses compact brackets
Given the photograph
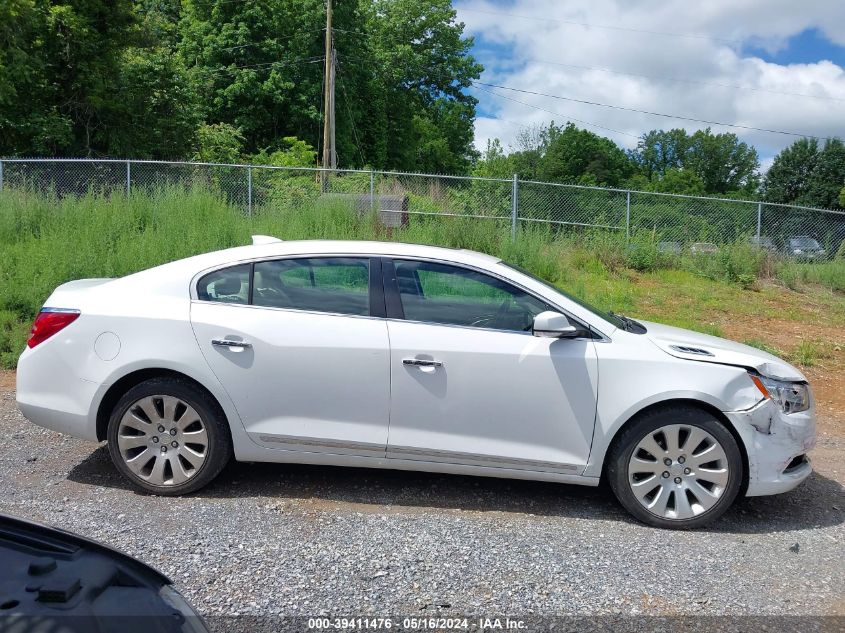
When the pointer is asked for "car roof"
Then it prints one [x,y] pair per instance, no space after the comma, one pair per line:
[268,249]
[327,247]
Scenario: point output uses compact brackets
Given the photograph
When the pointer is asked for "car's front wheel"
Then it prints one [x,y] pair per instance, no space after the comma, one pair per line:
[168,437]
[676,468]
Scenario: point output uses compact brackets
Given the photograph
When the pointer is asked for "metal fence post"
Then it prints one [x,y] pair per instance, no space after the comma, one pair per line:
[1,175]
[628,216]
[372,191]
[249,191]
[514,206]
[128,178]
[759,218]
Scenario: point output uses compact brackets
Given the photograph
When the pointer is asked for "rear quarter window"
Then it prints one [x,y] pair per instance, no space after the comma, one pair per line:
[229,285]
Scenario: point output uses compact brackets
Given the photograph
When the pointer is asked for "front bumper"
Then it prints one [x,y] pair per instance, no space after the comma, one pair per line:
[777,445]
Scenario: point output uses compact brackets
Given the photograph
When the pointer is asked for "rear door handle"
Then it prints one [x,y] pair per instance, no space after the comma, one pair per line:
[419,362]
[217,342]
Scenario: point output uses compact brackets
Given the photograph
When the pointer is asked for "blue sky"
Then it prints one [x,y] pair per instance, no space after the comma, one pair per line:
[771,64]
[807,47]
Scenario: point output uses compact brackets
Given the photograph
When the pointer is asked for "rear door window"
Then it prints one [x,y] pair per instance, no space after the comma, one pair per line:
[338,285]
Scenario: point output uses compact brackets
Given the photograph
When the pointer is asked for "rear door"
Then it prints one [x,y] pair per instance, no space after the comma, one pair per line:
[301,346]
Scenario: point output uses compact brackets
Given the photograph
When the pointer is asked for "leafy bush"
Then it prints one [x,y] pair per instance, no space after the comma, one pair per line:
[644,255]
[735,263]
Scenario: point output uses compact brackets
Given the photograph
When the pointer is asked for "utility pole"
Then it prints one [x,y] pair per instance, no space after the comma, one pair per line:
[329,152]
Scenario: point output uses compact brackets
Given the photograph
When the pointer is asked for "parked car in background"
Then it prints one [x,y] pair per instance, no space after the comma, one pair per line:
[704,248]
[55,581]
[410,357]
[673,248]
[763,242]
[804,247]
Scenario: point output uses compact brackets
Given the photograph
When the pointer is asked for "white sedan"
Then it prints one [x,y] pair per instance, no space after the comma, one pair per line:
[386,355]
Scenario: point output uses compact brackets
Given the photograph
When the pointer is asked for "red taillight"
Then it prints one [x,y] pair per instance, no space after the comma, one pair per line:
[48,322]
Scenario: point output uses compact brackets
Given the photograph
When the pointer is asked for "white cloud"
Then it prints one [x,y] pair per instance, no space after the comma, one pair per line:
[693,75]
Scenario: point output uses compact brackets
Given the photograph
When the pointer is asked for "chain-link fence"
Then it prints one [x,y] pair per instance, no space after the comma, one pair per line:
[676,222]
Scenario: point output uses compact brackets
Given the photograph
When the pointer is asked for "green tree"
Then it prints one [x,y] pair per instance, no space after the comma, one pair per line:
[677,180]
[788,178]
[576,155]
[257,65]
[92,78]
[292,153]
[218,143]
[494,163]
[808,174]
[661,150]
[532,143]
[826,180]
[30,121]
[402,70]
[721,161]
[157,113]
[420,69]
[83,43]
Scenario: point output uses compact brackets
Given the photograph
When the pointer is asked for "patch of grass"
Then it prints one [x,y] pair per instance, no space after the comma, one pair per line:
[809,353]
[735,263]
[828,274]
[762,345]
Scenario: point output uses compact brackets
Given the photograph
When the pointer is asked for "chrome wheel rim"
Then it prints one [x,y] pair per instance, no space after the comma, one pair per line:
[678,471]
[162,440]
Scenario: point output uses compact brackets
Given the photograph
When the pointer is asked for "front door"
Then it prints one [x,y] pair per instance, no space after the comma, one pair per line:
[297,346]
[471,385]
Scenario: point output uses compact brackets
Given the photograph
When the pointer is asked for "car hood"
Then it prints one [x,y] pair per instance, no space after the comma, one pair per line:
[719,350]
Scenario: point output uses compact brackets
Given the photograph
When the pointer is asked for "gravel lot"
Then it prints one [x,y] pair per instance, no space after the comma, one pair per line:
[293,540]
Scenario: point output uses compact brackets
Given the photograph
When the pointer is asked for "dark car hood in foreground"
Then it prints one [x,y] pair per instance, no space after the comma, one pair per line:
[52,580]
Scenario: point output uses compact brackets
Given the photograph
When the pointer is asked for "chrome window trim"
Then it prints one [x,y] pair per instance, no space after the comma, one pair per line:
[296,310]
[600,337]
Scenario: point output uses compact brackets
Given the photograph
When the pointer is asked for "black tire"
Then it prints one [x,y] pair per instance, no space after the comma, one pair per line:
[620,455]
[218,448]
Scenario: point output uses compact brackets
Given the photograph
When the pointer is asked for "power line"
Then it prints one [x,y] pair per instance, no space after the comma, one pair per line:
[682,80]
[565,116]
[648,112]
[604,26]
[351,120]
[272,41]
[282,62]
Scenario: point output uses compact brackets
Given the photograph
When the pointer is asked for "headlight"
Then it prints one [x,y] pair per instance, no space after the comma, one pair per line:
[791,397]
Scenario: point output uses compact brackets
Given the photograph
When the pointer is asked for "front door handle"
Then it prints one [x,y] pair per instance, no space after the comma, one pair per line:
[419,362]
[217,342]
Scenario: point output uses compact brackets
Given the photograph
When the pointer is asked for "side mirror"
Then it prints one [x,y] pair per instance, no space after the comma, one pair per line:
[553,325]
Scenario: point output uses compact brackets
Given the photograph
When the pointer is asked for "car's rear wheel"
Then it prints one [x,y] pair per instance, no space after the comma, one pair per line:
[676,468]
[168,437]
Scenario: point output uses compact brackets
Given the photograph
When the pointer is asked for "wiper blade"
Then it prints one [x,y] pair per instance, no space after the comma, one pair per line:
[626,322]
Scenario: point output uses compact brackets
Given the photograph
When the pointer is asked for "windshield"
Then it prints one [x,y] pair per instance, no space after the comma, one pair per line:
[610,318]
[804,242]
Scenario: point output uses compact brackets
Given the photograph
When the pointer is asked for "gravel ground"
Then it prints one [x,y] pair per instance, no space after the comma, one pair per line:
[292,540]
